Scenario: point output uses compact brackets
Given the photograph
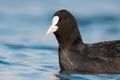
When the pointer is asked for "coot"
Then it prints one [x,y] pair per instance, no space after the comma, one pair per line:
[76,56]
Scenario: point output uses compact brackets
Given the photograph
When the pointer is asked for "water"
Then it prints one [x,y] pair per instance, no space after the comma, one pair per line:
[27,53]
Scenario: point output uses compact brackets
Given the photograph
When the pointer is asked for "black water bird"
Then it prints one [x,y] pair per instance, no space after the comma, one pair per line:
[76,56]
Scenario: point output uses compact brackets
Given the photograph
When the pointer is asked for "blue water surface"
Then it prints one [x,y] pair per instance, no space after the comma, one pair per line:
[27,53]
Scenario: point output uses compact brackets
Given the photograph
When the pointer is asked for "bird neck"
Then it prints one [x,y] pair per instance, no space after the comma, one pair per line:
[66,40]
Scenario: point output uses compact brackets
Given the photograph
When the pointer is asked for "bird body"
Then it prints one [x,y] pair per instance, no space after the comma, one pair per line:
[100,57]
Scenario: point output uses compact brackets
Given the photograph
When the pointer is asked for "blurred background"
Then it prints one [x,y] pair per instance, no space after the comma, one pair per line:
[26,52]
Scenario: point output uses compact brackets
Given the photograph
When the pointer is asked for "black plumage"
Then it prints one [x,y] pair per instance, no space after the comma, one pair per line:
[76,56]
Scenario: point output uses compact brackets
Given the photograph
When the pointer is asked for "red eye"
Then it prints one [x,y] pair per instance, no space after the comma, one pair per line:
[62,20]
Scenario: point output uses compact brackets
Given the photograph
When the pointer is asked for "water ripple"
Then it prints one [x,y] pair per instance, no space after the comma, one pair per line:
[19,46]
[4,62]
